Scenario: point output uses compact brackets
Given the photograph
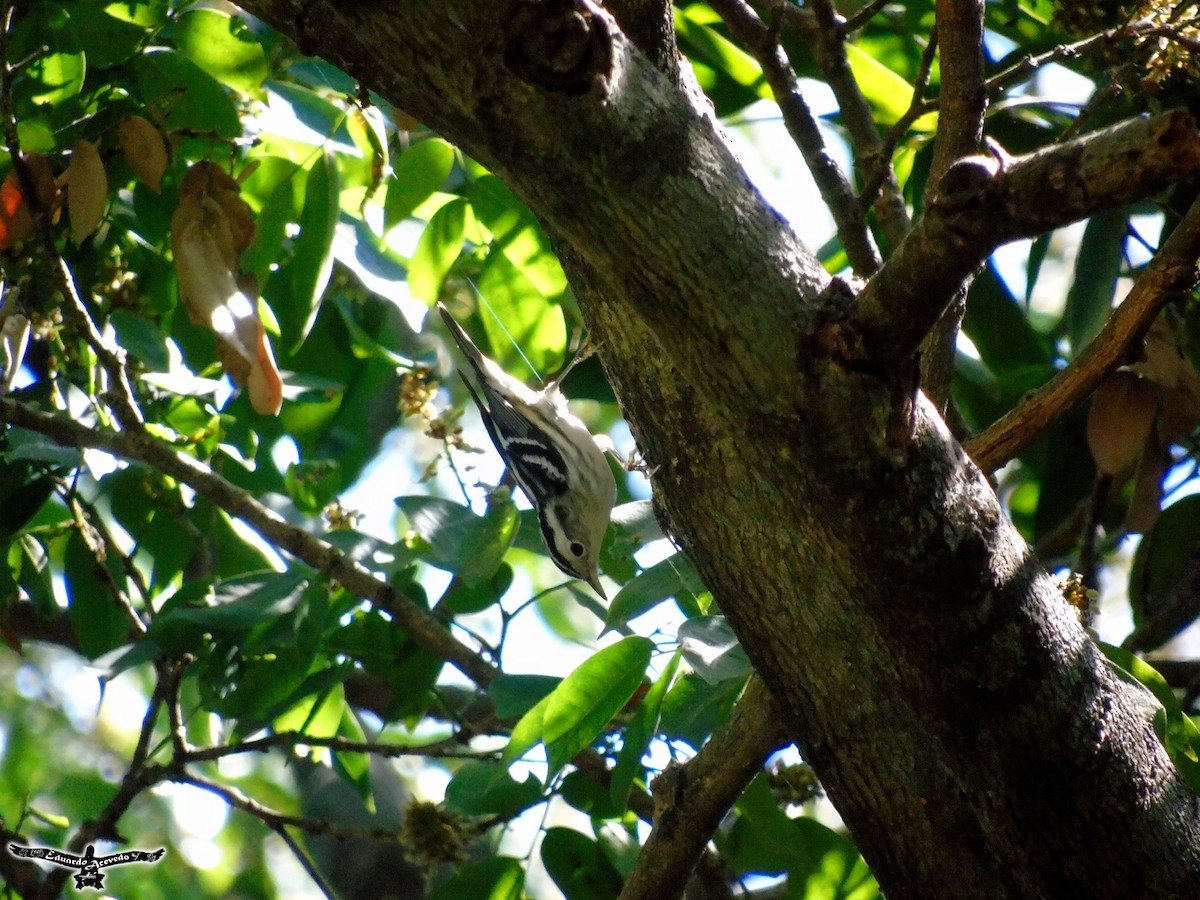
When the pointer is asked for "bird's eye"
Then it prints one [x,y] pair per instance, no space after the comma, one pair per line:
[577,548]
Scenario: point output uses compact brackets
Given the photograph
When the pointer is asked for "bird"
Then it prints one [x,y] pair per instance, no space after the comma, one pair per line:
[556,460]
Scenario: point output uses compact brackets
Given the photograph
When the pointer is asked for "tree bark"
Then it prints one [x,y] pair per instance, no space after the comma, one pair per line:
[969,732]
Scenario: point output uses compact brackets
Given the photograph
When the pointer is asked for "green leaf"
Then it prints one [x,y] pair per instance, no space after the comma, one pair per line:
[36,136]
[313,484]
[581,707]
[712,649]
[517,234]
[223,47]
[818,861]
[464,598]
[587,795]
[728,75]
[27,557]
[527,732]
[482,788]
[312,259]
[263,686]
[674,576]
[242,602]
[57,76]
[99,621]
[631,526]
[1178,732]
[458,540]
[578,867]
[1097,267]
[34,447]
[999,328]
[693,708]
[113,33]
[439,246]
[417,173]
[190,98]
[272,221]
[1162,555]
[638,734]
[142,339]
[523,329]
[25,487]
[146,13]
[354,768]
[497,878]
[890,95]
[1037,255]
[137,654]
[515,695]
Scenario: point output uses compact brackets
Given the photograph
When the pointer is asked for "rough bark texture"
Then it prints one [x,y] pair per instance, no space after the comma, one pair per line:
[957,714]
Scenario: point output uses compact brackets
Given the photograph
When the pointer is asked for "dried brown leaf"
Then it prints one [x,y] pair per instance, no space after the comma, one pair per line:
[207,231]
[1122,414]
[87,190]
[144,149]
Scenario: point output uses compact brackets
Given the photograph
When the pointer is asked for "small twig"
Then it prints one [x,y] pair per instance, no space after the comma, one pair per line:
[447,749]
[170,673]
[1026,67]
[274,819]
[132,572]
[99,552]
[1089,557]
[881,165]
[1173,269]
[828,43]
[763,43]
[863,16]
[306,862]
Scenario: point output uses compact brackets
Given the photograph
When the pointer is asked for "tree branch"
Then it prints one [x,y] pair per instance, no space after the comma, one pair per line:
[650,25]
[863,16]
[963,99]
[959,133]
[763,43]
[323,557]
[1172,269]
[690,800]
[981,206]
[828,42]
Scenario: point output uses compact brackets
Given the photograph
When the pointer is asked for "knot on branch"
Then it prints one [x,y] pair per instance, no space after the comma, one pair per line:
[832,333]
[968,184]
[560,45]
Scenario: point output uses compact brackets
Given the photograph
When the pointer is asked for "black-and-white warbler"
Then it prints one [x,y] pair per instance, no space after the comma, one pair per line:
[556,460]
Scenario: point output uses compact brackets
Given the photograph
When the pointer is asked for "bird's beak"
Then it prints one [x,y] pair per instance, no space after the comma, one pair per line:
[594,581]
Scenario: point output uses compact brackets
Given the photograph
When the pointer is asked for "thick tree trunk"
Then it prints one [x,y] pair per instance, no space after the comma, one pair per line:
[967,729]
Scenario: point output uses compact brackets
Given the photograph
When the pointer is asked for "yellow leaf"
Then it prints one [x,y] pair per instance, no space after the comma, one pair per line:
[889,94]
